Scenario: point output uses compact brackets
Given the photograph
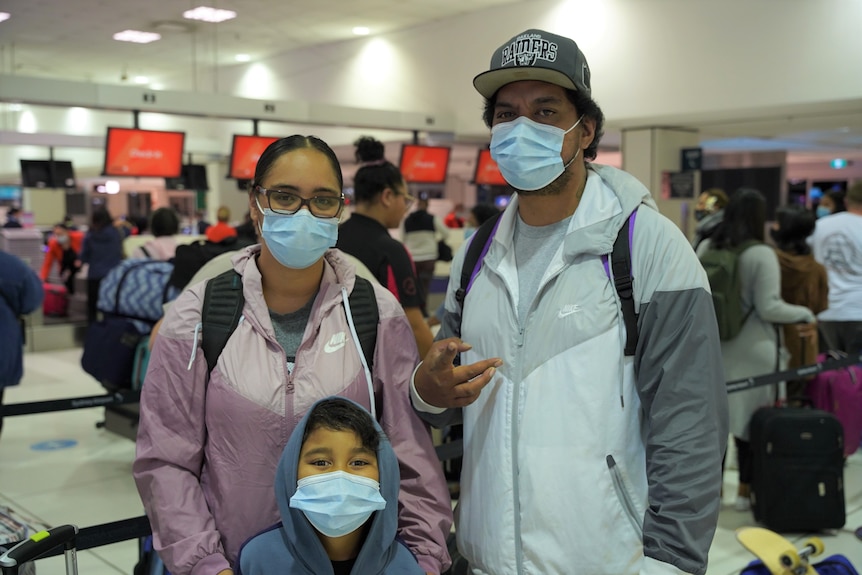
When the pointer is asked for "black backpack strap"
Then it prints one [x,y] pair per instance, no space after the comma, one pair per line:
[363,308]
[621,267]
[479,244]
[223,303]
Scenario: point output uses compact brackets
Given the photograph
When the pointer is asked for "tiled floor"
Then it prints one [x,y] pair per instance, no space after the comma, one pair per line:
[90,482]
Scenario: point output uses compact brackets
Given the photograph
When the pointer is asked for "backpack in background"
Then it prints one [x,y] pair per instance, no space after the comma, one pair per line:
[722,271]
[189,258]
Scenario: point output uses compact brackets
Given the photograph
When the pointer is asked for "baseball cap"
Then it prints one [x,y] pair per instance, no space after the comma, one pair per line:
[536,55]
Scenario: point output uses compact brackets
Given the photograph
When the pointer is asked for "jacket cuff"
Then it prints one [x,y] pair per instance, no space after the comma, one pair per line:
[429,564]
[418,403]
[210,565]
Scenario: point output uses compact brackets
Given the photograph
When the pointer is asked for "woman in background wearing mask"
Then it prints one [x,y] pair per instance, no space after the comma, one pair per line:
[63,249]
[832,202]
[209,442]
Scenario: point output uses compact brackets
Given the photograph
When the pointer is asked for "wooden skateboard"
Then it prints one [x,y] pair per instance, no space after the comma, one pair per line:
[778,554]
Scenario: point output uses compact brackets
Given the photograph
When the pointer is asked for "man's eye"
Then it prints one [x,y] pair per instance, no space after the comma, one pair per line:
[545,113]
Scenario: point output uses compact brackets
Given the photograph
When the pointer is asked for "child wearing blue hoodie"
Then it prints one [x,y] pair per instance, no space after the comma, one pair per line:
[337,490]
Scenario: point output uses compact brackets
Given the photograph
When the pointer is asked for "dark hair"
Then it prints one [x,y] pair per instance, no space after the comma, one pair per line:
[281,147]
[376,174]
[744,219]
[101,218]
[165,222]
[837,198]
[484,212]
[584,105]
[339,414]
[795,223]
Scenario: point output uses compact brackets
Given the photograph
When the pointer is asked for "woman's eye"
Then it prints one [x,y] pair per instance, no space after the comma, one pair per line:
[284,198]
[322,202]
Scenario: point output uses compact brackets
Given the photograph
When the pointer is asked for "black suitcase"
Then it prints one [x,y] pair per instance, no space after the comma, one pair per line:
[798,475]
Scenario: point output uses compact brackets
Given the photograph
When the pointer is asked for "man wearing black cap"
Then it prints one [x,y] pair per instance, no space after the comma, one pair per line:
[588,447]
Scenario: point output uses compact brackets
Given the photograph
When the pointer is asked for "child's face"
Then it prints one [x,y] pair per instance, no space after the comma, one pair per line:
[326,450]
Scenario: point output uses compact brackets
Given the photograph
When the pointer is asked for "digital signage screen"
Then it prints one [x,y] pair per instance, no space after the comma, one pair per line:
[245,152]
[424,164]
[487,172]
[143,153]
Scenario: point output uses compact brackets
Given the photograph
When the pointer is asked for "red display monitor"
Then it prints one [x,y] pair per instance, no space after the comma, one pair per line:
[143,153]
[487,172]
[244,154]
[424,164]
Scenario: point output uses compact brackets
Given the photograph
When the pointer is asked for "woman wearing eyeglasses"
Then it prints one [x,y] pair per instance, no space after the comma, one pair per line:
[209,442]
[382,201]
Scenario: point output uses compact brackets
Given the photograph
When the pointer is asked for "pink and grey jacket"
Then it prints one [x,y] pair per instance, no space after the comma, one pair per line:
[208,447]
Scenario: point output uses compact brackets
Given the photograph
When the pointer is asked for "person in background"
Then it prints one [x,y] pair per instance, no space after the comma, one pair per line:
[63,249]
[832,202]
[164,225]
[578,457]
[20,293]
[382,202]
[337,490]
[837,244]
[101,250]
[803,282]
[453,219]
[245,231]
[208,443]
[708,212]
[203,224]
[422,231]
[222,229]
[12,220]
[757,349]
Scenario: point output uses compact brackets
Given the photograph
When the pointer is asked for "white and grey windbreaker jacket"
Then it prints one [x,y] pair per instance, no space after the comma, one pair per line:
[576,458]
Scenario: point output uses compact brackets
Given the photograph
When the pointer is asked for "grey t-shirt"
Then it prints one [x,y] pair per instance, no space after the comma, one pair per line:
[534,248]
[289,328]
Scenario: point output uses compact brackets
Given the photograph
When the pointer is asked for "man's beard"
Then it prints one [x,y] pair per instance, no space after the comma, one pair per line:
[555,188]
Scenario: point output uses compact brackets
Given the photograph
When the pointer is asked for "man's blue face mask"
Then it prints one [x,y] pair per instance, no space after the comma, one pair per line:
[528,153]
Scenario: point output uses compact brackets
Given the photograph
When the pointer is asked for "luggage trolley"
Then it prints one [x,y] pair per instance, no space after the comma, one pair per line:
[40,543]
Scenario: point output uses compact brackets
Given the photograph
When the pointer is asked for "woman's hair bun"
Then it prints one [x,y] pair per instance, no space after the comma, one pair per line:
[368,150]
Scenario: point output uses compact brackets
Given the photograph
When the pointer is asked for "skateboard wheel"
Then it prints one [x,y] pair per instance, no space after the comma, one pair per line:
[816,545]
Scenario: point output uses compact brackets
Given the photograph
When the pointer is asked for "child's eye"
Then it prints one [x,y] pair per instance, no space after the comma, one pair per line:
[320,463]
[359,463]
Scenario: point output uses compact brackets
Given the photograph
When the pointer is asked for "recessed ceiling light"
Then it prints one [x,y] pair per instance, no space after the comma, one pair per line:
[137,36]
[207,14]
[242,58]
[5,16]
[141,80]
[361,31]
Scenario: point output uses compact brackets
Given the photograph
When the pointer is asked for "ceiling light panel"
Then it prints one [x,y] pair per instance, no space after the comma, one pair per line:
[208,14]
[137,36]
[5,16]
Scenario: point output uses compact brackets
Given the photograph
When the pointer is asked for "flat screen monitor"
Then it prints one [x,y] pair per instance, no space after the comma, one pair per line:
[424,164]
[487,172]
[244,154]
[143,153]
[36,174]
[195,177]
[62,174]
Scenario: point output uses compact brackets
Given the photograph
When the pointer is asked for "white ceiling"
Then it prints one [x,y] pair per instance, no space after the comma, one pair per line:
[72,39]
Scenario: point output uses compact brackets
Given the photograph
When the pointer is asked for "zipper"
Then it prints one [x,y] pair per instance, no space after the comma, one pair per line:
[623,495]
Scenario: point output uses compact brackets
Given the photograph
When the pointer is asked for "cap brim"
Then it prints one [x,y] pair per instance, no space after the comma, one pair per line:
[487,83]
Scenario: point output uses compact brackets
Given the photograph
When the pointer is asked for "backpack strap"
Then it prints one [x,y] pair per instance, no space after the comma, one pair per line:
[620,271]
[223,303]
[224,300]
[363,308]
[480,242]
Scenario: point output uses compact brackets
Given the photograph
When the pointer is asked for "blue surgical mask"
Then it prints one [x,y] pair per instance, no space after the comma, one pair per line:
[299,240]
[822,211]
[528,153]
[337,503]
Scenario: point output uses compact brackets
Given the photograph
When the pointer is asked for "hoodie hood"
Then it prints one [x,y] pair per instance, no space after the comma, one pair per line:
[294,547]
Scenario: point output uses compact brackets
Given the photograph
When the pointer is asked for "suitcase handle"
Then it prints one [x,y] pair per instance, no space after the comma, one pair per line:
[38,544]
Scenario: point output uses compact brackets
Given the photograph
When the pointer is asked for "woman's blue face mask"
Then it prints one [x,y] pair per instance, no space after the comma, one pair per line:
[297,241]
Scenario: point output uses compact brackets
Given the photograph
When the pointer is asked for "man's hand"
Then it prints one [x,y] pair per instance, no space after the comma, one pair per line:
[441,384]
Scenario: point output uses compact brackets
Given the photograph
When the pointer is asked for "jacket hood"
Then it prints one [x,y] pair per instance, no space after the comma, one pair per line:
[379,547]
[610,196]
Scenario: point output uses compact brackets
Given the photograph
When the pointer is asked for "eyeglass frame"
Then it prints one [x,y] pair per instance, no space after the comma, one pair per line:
[302,202]
[409,200]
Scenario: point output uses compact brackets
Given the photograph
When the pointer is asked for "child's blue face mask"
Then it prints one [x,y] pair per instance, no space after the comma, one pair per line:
[337,503]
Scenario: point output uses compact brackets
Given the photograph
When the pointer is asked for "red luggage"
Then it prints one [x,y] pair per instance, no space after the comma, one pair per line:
[839,391]
[56,302]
